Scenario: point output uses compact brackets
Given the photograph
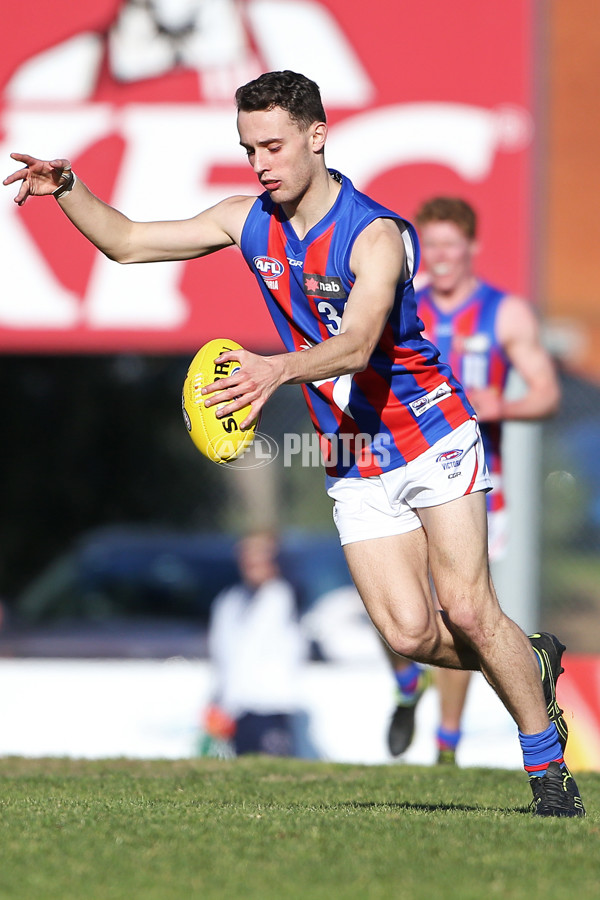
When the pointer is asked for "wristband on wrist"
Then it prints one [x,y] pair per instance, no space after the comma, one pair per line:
[67,185]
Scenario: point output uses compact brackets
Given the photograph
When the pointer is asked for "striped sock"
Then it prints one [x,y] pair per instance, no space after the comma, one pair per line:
[447,740]
[407,679]
[539,750]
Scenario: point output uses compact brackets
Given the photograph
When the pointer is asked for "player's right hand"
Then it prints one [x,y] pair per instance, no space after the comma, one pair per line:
[39,177]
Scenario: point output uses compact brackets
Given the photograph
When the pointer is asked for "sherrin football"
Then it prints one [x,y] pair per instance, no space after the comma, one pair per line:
[221,440]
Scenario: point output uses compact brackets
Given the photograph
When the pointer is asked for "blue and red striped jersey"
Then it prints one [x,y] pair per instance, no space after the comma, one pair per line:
[406,399]
[467,340]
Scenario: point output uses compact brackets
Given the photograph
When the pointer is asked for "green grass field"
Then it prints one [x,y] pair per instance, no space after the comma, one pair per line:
[274,829]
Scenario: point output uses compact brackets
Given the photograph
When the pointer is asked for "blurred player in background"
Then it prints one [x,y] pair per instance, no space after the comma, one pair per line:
[482,332]
[335,269]
[257,650]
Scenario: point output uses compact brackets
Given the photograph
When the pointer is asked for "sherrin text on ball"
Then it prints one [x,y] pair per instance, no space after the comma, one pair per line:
[219,439]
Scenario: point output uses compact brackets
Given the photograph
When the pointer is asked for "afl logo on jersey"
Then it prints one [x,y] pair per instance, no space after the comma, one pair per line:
[268,267]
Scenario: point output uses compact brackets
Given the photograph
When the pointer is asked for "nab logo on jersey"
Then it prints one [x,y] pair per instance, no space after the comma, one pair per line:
[323,286]
[268,267]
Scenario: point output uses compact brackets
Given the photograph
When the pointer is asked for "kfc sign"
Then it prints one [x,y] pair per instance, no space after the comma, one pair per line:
[139,95]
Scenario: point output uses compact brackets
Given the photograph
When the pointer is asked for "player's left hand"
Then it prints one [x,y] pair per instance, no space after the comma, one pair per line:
[257,378]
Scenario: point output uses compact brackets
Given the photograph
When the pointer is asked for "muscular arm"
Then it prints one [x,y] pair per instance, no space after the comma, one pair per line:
[122,239]
[519,334]
[378,263]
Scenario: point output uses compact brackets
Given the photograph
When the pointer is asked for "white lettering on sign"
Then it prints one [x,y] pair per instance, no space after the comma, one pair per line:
[463,138]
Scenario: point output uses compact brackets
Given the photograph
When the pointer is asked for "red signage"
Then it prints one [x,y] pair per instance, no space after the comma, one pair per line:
[579,693]
[422,98]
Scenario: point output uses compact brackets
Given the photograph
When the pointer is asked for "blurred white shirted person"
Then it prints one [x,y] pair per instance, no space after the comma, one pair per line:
[257,649]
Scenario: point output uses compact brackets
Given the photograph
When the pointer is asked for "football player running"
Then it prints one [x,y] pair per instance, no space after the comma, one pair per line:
[384,404]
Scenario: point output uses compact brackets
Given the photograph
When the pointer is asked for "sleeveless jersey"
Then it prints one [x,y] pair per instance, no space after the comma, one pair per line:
[406,399]
[467,341]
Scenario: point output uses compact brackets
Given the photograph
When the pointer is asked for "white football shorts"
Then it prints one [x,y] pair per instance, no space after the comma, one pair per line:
[384,505]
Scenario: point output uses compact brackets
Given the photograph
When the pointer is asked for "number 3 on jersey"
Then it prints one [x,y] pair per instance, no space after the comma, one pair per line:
[334,321]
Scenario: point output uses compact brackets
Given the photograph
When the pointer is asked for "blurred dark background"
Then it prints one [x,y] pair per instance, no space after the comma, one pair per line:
[119,540]
[123,521]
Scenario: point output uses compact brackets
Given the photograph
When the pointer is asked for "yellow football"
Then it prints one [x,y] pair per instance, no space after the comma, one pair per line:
[221,440]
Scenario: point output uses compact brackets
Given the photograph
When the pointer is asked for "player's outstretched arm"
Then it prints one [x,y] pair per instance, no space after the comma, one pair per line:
[117,236]
[104,226]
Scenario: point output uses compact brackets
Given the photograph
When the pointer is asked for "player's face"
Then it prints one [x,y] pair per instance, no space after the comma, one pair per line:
[281,154]
[447,255]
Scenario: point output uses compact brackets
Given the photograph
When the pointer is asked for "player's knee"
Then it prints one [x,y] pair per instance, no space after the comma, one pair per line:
[413,644]
[465,621]
[471,620]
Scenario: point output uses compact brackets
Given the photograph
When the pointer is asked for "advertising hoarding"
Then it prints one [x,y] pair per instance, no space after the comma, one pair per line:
[422,99]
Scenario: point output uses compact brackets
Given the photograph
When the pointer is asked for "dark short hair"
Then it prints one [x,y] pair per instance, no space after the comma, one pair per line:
[295,93]
[448,209]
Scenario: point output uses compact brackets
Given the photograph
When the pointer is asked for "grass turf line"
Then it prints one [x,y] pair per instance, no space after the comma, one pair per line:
[274,829]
